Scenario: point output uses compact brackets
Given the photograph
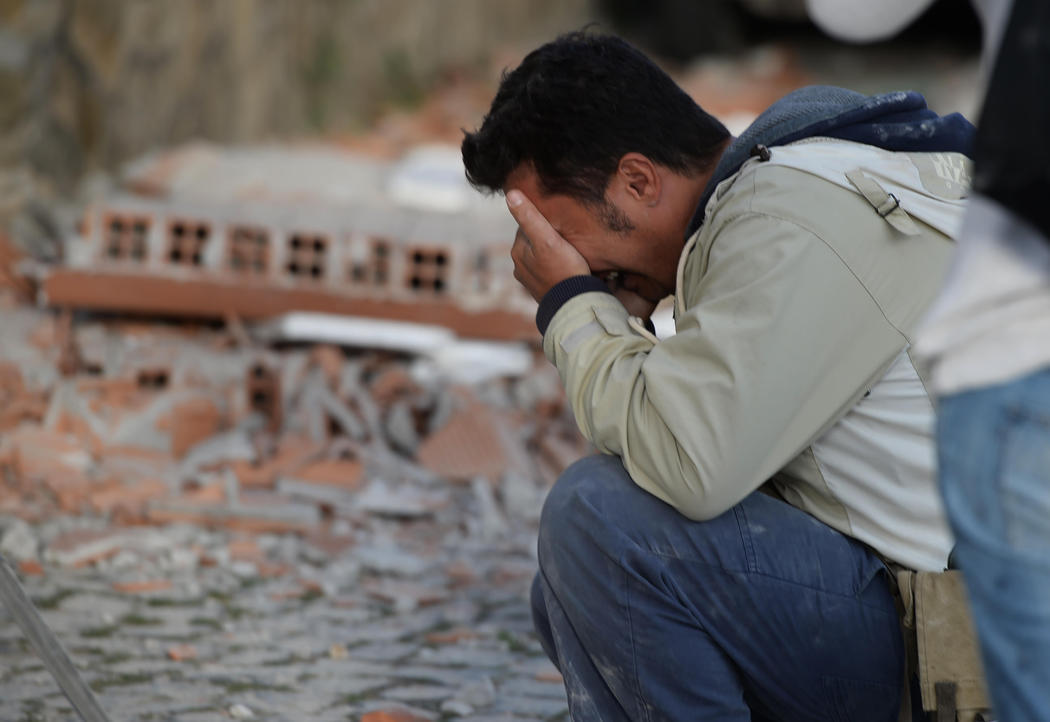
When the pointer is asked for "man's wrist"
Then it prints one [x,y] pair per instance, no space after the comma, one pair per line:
[561,293]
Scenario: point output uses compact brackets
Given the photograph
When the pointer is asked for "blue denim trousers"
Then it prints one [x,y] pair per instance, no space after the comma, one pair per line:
[762,613]
[994,453]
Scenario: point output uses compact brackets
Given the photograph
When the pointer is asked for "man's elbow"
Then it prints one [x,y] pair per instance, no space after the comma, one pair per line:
[697,505]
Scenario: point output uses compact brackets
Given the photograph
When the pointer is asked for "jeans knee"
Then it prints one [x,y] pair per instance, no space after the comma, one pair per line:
[578,506]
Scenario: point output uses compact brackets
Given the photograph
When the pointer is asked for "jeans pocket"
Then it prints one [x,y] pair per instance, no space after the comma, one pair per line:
[1024,481]
[856,700]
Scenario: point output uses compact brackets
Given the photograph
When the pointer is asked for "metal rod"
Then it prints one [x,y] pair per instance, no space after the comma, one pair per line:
[47,646]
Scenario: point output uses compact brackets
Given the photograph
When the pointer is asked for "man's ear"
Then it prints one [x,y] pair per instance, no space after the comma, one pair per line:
[639,178]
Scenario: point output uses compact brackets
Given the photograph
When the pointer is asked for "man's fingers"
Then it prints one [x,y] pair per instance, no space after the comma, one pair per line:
[531,222]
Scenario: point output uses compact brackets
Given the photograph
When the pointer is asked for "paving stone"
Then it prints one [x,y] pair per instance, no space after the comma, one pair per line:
[383,651]
[418,693]
[535,706]
[466,657]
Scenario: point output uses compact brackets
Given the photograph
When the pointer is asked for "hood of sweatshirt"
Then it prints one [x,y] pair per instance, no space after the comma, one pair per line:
[898,121]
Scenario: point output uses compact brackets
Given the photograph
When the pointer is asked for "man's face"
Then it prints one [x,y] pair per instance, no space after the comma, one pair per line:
[632,255]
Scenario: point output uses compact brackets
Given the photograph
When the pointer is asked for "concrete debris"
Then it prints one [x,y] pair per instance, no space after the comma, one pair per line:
[18,542]
[490,519]
[241,711]
[388,558]
[199,484]
[405,501]
[330,328]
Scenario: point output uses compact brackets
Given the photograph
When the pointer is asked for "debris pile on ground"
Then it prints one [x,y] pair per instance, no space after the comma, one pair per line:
[218,528]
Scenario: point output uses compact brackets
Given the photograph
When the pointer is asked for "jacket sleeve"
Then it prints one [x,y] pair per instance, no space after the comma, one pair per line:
[777,341]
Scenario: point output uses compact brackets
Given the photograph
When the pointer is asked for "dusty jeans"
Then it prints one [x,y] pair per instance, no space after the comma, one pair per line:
[763,613]
[994,451]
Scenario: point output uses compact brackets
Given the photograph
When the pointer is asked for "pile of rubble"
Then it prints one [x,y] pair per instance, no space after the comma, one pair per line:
[152,424]
[175,465]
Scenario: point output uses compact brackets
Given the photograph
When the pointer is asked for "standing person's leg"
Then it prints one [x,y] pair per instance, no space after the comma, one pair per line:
[994,452]
[763,612]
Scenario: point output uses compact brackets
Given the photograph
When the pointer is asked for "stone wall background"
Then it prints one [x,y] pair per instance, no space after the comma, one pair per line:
[89,84]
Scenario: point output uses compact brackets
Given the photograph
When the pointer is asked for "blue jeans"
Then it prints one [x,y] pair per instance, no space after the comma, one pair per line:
[994,449]
[763,613]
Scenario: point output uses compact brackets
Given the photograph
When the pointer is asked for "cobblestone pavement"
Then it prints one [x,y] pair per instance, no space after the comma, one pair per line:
[187,624]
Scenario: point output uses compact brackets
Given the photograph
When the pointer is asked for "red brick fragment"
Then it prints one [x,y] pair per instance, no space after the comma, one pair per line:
[391,383]
[191,422]
[460,574]
[293,452]
[451,636]
[558,452]
[182,652]
[549,675]
[468,445]
[30,568]
[82,547]
[245,549]
[40,454]
[330,360]
[392,714]
[271,570]
[345,473]
[11,383]
[143,587]
[43,336]
[127,499]
[22,408]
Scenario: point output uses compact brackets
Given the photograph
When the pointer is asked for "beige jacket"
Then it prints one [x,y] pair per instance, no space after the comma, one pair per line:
[795,305]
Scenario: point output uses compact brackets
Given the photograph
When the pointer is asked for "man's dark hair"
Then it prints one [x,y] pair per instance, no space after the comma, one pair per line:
[575,106]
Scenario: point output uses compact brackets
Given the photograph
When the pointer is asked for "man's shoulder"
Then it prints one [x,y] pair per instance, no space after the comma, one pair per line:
[822,181]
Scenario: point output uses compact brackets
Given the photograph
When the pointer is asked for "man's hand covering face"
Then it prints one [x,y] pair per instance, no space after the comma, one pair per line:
[542,258]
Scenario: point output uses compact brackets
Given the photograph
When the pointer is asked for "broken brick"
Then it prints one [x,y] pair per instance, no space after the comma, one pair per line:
[331,544]
[451,636]
[11,383]
[71,425]
[43,336]
[22,408]
[293,452]
[262,514]
[144,586]
[345,473]
[127,500]
[558,453]
[182,652]
[245,549]
[392,714]
[30,568]
[40,453]
[70,489]
[551,675]
[470,444]
[191,422]
[391,383]
[82,547]
[214,493]
[330,360]
[461,574]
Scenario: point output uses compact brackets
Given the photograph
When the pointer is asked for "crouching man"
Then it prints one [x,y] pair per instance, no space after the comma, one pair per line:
[724,558]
